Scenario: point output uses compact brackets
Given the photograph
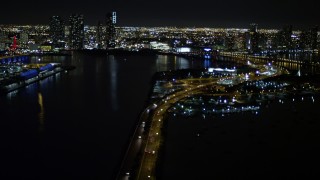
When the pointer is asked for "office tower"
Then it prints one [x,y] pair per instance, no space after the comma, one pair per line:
[252,39]
[2,40]
[253,27]
[287,37]
[309,39]
[230,42]
[314,37]
[254,36]
[303,40]
[76,31]
[57,32]
[99,35]
[111,21]
[24,39]
[283,39]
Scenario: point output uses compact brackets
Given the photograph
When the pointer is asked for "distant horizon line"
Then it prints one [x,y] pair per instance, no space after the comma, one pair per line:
[177,26]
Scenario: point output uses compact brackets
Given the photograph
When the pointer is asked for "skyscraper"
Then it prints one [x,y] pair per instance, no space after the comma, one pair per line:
[57,32]
[314,37]
[2,40]
[254,38]
[284,38]
[253,27]
[111,21]
[24,39]
[309,39]
[99,35]
[76,32]
[287,36]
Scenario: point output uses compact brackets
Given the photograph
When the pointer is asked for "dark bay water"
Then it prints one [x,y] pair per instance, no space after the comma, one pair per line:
[279,142]
[76,125]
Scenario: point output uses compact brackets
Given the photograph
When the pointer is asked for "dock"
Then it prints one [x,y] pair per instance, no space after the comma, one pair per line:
[18,83]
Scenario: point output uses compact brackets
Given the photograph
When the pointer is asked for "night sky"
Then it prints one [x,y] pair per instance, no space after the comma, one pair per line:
[180,13]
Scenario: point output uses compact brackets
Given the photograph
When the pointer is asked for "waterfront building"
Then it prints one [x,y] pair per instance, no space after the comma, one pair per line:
[100,35]
[111,21]
[76,31]
[57,34]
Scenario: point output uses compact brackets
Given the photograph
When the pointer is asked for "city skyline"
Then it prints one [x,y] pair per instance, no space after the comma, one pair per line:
[204,13]
[175,90]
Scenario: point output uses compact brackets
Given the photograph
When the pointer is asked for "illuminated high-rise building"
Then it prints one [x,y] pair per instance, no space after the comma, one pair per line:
[253,27]
[283,39]
[2,40]
[252,39]
[287,36]
[111,21]
[76,32]
[100,35]
[24,39]
[308,39]
[57,32]
[314,37]
[229,42]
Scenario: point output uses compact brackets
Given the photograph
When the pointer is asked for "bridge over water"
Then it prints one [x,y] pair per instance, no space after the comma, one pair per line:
[306,66]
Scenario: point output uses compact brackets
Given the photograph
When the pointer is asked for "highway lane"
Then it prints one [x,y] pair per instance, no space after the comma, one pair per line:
[136,143]
[154,140]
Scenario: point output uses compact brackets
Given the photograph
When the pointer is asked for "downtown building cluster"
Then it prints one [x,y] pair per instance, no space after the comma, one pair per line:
[60,34]
[75,35]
